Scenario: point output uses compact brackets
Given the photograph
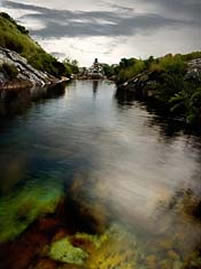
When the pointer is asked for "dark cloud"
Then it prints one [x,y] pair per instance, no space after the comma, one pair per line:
[121,8]
[189,8]
[61,23]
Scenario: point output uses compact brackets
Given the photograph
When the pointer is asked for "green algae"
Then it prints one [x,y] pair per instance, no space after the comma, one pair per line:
[115,249]
[97,240]
[63,251]
[18,210]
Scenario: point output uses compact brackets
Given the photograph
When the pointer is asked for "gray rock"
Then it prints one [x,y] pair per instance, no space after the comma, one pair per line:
[26,71]
[2,78]
[147,82]
[194,69]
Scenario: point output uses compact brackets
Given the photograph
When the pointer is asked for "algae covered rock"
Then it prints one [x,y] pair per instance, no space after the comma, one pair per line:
[95,239]
[63,251]
[20,208]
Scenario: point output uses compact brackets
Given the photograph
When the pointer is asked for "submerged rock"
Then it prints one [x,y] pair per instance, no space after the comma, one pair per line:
[19,210]
[63,251]
[45,264]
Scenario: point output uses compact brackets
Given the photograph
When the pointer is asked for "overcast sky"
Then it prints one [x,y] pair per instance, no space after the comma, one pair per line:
[110,30]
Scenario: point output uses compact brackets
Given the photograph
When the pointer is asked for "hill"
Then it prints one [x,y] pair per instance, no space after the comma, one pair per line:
[16,38]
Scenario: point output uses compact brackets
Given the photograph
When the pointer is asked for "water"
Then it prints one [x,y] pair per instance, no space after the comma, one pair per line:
[108,155]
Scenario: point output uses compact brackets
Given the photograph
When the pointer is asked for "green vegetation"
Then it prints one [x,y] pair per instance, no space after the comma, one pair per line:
[19,209]
[109,70]
[9,70]
[169,64]
[97,240]
[15,37]
[71,66]
[179,95]
[63,251]
[21,28]
[129,68]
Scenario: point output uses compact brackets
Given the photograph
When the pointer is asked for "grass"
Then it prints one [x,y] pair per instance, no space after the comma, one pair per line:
[15,37]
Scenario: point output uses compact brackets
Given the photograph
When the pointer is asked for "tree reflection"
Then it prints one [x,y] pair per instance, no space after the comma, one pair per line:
[18,101]
[169,127]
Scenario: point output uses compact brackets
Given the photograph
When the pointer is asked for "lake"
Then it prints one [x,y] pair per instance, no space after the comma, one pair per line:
[119,183]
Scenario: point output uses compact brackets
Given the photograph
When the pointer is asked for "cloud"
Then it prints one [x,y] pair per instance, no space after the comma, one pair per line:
[68,23]
[119,7]
[190,9]
[110,30]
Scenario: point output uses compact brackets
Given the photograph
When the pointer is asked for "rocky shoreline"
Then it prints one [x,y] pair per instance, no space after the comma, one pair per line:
[26,76]
[146,83]
[173,93]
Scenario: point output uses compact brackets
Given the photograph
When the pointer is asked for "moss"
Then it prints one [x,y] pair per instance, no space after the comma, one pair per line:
[95,239]
[63,251]
[151,261]
[18,210]
[173,255]
[117,249]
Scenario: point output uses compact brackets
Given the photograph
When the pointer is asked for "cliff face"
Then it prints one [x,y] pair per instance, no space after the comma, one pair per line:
[25,72]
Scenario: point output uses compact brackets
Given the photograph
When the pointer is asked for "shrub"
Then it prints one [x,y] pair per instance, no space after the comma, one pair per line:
[71,66]
[177,95]
[170,64]
[191,56]
[21,28]
[9,70]
[131,71]
[108,70]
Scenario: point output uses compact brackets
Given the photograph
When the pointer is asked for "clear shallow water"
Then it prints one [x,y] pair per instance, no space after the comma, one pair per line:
[113,152]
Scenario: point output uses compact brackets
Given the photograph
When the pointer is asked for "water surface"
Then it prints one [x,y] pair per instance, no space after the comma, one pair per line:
[122,156]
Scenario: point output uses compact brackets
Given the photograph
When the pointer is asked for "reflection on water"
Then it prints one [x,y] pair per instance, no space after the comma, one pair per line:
[125,186]
[95,88]
[19,100]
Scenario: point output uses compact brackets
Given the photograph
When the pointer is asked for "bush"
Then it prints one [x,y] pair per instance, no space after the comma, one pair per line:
[174,92]
[21,28]
[71,66]
[191,56]
[131,71]
[108,70]
[9,70]
[170,64]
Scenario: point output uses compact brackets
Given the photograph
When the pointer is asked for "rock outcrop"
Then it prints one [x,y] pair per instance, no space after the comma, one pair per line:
[145,83]
[194,69]
[26,73]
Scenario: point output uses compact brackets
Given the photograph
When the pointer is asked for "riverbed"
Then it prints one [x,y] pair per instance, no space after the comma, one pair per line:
[132,178]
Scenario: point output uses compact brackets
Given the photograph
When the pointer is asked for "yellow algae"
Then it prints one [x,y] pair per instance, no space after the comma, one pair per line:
[63,251]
